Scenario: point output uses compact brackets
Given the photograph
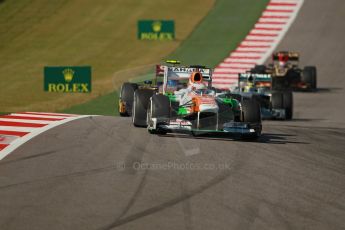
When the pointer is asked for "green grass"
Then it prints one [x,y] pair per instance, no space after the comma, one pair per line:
[228,22]
[105,105]
[102,34]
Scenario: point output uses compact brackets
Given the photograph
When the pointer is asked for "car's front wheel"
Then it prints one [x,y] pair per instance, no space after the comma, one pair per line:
[251,113]
[159,108]
[140,104]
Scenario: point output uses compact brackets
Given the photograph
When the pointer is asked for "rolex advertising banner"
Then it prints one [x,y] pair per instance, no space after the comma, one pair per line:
[76,79]
[156,30]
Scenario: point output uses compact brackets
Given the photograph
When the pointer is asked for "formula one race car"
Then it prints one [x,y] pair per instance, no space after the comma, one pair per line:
[286,74]
[187,103]
[275,104]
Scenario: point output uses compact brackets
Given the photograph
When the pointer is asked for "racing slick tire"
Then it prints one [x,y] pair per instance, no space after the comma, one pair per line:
[159,107]
[251,113]
[126,96]
[283,100]
[288,104]
[277,100]
[310,76]
[140,105]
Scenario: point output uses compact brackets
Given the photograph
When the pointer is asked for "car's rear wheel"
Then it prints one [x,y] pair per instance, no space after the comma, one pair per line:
[126,98]
[310,76]
[140,105]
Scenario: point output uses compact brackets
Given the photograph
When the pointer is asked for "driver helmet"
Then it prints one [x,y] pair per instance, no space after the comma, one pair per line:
[196,81]
[249,86]
[283,58]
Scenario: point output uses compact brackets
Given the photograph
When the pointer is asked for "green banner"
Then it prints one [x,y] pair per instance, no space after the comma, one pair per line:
[156,30]
[67,79]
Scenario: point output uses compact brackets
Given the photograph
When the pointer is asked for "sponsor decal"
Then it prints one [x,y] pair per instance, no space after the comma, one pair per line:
[156,30]
[185,72]
[60,79]
[188,70]
[255,75]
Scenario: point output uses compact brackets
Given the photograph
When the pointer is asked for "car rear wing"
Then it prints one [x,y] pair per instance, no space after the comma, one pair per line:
[182,72]
[290,56]
[254,78]
[159,71]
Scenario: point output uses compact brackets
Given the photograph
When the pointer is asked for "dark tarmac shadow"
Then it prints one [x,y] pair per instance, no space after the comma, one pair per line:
[320,90]
[306,119]
[328,90]
[265,138]
[293,120]
[279,138]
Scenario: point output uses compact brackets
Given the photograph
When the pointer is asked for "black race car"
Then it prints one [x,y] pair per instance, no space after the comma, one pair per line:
[286,74]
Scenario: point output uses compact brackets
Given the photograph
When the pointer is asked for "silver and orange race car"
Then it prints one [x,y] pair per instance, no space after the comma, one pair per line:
[187,103]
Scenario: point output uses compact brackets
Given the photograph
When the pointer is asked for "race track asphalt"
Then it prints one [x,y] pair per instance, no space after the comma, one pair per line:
[101,173]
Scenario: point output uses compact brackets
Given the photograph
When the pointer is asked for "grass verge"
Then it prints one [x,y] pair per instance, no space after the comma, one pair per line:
[39,33]
[104,105]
